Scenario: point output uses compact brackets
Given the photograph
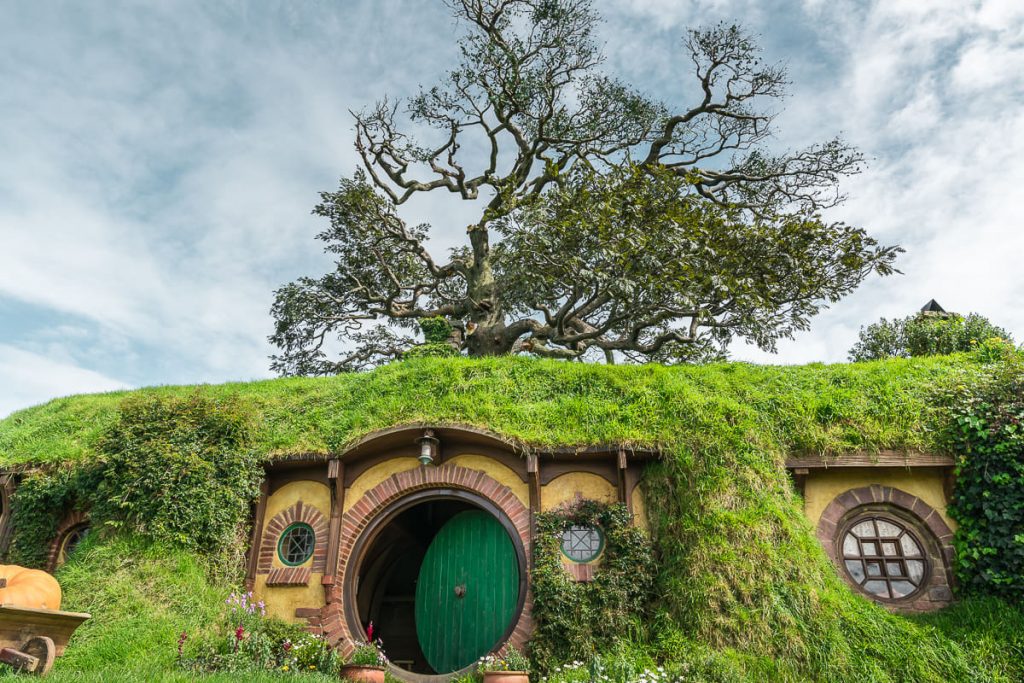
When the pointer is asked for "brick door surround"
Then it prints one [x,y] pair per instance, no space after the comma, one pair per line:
[383,499]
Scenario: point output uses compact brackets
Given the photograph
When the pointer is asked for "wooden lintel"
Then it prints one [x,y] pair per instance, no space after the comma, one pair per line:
[256,538]
[868,459]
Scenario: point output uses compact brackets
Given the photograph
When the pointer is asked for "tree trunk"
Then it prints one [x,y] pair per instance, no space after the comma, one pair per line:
[484,300]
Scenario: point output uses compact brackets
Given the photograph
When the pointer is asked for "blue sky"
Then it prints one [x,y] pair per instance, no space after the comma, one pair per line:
[159,161]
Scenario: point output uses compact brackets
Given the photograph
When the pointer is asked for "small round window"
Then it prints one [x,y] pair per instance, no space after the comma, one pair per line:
[70,541]
[884,558]
[582,543]
[296,544]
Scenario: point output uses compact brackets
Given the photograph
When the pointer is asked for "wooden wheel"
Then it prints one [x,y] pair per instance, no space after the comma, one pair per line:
[43,649]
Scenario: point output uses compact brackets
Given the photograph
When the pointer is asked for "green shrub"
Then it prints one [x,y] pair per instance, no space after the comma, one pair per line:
[171,469]
[576,620]
[924,334]
[39,505]
[983,424]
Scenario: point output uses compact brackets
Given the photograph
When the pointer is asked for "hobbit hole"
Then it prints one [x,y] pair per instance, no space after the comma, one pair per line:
[436,554]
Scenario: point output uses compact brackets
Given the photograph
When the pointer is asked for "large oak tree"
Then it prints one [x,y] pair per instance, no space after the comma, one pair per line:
[611,224]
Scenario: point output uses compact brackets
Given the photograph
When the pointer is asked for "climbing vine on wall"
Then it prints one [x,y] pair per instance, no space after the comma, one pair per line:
[40,503]
[174,469]
[576,620]
[983,424]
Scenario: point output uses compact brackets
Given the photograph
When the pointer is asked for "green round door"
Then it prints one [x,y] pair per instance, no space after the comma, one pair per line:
[467,591]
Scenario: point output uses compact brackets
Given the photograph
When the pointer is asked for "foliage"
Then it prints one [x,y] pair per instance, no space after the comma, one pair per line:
[179,470]
[368,654]
[173,469]
[39,505]
[576,620]
[743,590]
[511,660]
[983,424]
[924,334]
[246,640]
[436,330]
[610,223]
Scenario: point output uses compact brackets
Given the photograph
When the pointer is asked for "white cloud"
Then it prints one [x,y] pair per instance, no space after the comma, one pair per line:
[28,378]
[160,162]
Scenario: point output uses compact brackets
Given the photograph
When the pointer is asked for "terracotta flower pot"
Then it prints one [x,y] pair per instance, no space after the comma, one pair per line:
[506,677]
[362,674]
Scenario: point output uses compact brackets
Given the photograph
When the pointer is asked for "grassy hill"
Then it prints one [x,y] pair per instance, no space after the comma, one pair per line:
[744,590]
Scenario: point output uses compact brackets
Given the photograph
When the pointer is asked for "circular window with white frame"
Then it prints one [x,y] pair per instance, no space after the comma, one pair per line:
[884,556]
[582,543]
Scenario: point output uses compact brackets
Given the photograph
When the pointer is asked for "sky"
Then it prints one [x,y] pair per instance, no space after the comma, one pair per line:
[159,161]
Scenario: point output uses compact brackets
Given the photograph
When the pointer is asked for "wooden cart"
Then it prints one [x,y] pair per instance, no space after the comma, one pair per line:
[30,639]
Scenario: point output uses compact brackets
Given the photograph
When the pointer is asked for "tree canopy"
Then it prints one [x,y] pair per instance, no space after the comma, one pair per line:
[611,223]
[924,334]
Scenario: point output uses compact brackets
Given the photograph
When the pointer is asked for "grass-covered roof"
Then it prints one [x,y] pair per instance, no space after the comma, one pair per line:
[744,589]
[826,409]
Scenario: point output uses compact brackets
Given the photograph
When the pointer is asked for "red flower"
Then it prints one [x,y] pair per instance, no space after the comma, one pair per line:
[239,634]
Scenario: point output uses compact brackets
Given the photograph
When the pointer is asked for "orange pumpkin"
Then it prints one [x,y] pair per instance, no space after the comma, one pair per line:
[24,587]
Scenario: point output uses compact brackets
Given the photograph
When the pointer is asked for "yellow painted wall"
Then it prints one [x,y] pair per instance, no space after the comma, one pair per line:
[281,601]
[823,485]
[640,509]
[495,470]
[564,489]
[375,475]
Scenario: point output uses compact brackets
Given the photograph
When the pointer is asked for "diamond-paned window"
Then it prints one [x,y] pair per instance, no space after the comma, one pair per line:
[296,544]
[884,558]
[582,543]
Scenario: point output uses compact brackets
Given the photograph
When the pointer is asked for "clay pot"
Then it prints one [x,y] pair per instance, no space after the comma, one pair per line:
[506,677]
[362,674]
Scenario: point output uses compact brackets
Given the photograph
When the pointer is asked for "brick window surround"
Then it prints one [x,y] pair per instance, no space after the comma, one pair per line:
[922,519]
[378,500]
[74,519]
[293,576]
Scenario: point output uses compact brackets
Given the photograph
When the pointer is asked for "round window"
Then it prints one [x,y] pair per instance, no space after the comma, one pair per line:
[70,541]
[582,543]
[296,544]
[884,558]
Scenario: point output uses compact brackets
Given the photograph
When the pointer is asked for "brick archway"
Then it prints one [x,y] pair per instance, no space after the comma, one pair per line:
[74,519]
[385,495]
[922,515]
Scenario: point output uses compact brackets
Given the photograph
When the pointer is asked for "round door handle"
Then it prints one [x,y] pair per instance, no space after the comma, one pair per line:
[460,591]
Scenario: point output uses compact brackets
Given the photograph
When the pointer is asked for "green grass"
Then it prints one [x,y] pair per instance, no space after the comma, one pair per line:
[745,591]
[815,408]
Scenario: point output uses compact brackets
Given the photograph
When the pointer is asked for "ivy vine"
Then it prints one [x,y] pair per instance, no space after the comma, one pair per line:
[577,620]
[173,469]
[983,424]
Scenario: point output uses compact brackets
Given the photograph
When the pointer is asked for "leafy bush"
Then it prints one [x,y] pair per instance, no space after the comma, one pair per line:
[247,640]
[40,503]
[924,334]
[171,469]
[984,427]
[512,660]
[575,620]
[368,654]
